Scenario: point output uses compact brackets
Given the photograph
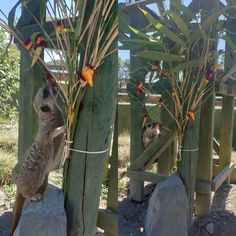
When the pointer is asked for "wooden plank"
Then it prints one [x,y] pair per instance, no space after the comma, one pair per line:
[222,176]
[167,150]
[146,176]
[216,146]
[112,198]
[108,221]
[154,150]
[203,187]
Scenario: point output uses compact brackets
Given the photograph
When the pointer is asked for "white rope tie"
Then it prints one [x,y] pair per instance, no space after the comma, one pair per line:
[87,152]
[180,150]
[66,148]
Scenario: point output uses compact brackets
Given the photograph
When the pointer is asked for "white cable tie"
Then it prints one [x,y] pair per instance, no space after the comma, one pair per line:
[189,150]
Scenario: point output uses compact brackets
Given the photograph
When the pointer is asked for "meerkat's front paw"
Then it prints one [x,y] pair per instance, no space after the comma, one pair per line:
[35,198]
[58,131]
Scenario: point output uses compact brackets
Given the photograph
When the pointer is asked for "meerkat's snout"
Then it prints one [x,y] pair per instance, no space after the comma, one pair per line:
[45,109]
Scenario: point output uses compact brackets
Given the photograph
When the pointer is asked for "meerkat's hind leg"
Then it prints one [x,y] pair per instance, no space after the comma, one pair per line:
[58,131]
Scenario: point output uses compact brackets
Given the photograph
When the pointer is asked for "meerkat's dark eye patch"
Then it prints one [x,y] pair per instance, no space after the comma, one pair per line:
[46,93]
[45,109]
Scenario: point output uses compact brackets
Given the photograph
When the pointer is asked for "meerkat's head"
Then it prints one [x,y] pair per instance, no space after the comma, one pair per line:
[45,101]
[152,129]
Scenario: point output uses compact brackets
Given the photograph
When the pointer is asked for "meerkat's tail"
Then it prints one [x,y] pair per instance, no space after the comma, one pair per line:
[19,202]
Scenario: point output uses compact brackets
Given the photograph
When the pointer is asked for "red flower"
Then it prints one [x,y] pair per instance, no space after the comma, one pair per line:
[161,101]
[50,79]
[209,75]
[28,44]
[139,87]
[40,41]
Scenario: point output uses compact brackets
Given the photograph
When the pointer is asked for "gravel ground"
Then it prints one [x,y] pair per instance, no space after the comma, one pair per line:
[220,222]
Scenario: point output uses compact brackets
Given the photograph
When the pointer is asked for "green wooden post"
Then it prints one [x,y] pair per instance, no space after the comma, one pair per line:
[85,171]
[112,198]
[188,164]
[30,80]
[137,111]
[205,154]
[226,131]
[227,112]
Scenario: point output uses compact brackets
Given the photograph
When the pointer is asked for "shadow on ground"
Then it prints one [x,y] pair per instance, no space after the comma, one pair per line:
[5,223]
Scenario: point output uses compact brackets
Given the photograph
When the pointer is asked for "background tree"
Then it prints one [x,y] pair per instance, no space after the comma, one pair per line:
[9,79]
[123,73]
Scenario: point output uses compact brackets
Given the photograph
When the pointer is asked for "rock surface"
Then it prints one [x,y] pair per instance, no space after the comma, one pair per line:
[46,217]
[167,209]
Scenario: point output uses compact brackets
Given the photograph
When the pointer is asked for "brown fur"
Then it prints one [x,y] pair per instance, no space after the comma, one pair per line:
[32,174]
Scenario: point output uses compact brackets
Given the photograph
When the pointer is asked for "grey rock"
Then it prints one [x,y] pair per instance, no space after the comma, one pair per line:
[46,217]
[210,228]
[167,209]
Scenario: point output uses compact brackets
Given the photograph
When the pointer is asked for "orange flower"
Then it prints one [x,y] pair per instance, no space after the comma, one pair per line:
[139,87]
[87,74]
[191,115]
[217,67]
[58,27]
[173,93]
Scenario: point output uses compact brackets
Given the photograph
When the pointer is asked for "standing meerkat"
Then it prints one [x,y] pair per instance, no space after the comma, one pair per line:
[31,175]
[149,132]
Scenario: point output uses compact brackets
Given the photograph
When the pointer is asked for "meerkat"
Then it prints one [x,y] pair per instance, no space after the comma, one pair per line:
[32,174]
[149,132]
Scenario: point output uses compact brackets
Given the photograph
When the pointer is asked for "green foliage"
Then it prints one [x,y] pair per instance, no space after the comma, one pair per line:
[183,54]
[9,79]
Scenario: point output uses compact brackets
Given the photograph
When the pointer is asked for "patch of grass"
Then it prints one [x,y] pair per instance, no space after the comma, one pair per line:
[8,139]
[104,192]
[55,178]
[122,187]
[124,149]
[7,163]
[9,194]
